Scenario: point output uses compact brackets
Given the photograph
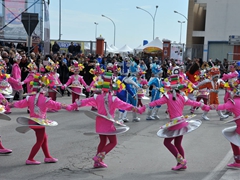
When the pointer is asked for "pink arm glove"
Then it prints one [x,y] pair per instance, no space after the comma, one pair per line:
[71,107]
[141,109]
[206,108]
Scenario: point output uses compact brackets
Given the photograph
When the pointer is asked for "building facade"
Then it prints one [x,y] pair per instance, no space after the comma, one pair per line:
[213,29]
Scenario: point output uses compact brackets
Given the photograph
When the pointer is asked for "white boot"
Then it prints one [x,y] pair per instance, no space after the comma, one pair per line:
[124,117]
[204,116]
[135,118]
[155,112]
[149,115]
[222,117]
[120,117]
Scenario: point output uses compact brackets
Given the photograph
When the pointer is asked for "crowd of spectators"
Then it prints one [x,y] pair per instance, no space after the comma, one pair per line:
[65,59]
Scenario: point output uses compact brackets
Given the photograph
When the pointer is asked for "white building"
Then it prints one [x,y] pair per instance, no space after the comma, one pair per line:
[210,23]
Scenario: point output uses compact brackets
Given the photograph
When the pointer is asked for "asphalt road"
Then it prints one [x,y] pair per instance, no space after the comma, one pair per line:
[140,153]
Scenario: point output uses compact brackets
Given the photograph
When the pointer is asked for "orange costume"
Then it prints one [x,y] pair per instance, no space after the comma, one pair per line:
[214,88]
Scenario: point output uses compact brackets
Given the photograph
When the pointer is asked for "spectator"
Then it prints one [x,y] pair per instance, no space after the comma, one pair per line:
[71,48]
[77,49]
[24,70]
[8,64]
[55,48]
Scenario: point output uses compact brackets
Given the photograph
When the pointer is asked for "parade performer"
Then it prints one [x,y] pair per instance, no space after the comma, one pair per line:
[106,104]
[75,81]
[213,85]
[16,74]
[202,94]
[5,86]
[232,134]
[3,150]
[97,72]
[53,76]
[38,105]
[32,67]
[179,125]
[230,78]
[157,83]
[142,82]
[123,95]
[193,71]
[3,100]
[238,69]
[132,97]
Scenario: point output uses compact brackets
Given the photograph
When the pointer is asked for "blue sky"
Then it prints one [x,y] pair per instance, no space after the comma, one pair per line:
[132,25]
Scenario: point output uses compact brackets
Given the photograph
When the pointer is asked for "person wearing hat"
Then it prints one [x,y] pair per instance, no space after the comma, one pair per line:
[5,90]
[106,105]
[157,84]
[134,87]
[16,74]
[32,67]
[230,78]
[3,104]
[175,99]
[38,105]
[76,81]
[202,94]
[5,85]
[142,82]
[52,74]
[232,134]
[97,71]
[213,85]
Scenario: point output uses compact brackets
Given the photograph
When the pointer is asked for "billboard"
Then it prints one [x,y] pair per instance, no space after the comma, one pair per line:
[177,52]
[64,44]
[10,16]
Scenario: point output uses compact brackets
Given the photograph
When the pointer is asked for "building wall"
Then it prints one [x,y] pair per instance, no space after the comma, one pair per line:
[214,21]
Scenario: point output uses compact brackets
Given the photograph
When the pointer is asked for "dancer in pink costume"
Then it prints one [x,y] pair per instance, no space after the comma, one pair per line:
[143,84]
[231,77]
[76,81]
[232,134]
[202,94]
[38,105]
[178,125]
[3,101]
[53,76]
[106,104]
[5,86]
[32,67]
[97,71]
[16,74]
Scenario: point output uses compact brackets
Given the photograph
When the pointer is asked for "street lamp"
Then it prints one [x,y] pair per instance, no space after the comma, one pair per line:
[181,15]
[113,26]
[96,29]
[60,20]
[181,29]
[153,18]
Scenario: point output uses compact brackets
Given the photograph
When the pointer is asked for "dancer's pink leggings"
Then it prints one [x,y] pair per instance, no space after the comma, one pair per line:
[139,103]
[103,146]
[176,147]
[74,97]
[236,152]
[41,142]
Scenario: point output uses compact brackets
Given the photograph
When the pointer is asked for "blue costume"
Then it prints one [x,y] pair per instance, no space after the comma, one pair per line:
[128,94]
[157,83]
[238,69]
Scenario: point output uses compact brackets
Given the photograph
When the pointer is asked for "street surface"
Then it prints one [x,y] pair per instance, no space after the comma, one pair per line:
[140,153]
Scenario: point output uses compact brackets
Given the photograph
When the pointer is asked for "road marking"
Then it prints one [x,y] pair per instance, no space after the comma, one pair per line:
[219,167]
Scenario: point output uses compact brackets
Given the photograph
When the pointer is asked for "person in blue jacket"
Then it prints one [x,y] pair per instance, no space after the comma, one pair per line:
[157,83]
